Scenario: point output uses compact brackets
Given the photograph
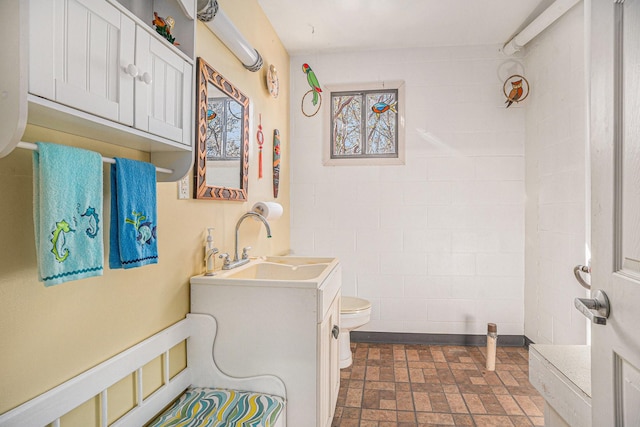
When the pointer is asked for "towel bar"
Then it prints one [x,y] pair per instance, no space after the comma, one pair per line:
[33,147]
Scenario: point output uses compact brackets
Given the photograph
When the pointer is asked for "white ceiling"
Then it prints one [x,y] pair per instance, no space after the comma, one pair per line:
[308,26]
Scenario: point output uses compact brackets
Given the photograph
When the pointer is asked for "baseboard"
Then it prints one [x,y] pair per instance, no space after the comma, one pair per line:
[435,339]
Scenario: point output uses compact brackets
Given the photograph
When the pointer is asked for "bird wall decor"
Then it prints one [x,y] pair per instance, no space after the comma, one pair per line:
[518,90]
[315,92]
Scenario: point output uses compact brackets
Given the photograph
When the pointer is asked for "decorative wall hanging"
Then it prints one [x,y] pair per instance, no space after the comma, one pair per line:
[276,162]
[312,100]
[518,88]
[164,26]
[273,83]
[260,138]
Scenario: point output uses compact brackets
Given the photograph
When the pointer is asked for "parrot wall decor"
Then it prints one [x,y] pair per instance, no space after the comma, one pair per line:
[518,88]
[315,93]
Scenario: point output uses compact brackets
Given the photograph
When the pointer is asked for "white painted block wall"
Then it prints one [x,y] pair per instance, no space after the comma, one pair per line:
[437,244]
[557,199]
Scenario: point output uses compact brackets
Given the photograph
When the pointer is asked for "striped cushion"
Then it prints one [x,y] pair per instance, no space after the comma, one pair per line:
[209,407]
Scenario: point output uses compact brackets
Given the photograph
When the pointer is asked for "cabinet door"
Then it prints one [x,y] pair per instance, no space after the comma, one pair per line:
[328,365]
[163,90]
[79,53]
[334,357]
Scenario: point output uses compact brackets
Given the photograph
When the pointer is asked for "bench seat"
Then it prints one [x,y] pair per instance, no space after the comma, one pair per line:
[211,407]
[211,396]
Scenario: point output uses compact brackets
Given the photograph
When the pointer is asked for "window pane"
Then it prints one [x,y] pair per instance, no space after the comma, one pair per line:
[234,130]
[215,111]
[347,132]
[381,123]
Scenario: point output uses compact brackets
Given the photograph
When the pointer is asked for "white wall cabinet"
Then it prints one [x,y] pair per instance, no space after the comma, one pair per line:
[279,328]
[97,68]
[99,61]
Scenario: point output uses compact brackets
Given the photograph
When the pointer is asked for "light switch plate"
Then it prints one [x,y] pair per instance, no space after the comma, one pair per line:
[183,187]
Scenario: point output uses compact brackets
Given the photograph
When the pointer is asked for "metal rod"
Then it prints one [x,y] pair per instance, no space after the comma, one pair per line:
[33,147]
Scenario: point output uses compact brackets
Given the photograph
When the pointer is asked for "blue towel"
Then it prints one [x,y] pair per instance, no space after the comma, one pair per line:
[133,240]
[67,213]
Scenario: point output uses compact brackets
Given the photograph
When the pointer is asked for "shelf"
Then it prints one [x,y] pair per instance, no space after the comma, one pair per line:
[164,152]
[182,11]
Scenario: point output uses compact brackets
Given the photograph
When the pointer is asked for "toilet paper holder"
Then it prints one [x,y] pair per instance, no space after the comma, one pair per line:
[269,210]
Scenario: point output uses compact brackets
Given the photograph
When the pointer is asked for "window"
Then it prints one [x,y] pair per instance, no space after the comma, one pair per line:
[366,125]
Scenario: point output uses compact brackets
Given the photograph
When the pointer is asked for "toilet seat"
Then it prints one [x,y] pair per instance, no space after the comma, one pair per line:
[353,305]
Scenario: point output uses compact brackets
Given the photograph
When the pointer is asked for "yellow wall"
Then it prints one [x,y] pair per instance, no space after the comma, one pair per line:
[48,335]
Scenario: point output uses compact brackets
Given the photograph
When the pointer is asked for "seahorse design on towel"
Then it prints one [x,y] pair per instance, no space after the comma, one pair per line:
[91,213]
[59,241]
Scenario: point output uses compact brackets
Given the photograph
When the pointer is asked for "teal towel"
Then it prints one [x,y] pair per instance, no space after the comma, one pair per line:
[67,213]
[132,237]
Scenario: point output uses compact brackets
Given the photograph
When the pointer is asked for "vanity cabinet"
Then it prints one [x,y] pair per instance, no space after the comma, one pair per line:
[283,328]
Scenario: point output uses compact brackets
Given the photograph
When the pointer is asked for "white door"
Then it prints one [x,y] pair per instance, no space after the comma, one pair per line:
[163,90]
[79,53]
[615,207]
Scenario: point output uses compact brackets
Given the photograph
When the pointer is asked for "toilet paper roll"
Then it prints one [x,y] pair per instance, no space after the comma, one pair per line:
[269,210]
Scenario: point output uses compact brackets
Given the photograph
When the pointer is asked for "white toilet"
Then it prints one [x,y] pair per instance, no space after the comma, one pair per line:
[354,312]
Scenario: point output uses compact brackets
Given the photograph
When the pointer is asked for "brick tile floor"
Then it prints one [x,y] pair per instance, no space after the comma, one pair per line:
[397,385]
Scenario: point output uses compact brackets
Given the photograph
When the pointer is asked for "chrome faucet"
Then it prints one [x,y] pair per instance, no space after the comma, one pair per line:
[237,261]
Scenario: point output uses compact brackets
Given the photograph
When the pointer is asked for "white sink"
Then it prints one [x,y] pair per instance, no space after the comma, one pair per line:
[275,271]
[271,271]
[298,260]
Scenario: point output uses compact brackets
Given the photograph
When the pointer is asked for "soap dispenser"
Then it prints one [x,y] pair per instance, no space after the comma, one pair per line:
[209,257]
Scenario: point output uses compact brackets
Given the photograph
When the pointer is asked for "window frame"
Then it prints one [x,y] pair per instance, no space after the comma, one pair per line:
[365,159]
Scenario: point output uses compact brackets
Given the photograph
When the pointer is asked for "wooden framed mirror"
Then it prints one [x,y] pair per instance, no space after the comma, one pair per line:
[222,148]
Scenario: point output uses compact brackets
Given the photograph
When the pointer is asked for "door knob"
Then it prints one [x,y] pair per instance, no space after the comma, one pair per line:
[578,270]
[596,308]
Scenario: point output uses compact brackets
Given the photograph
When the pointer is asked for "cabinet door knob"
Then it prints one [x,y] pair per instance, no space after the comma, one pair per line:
[146,77]
[132,70]
[335,331]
